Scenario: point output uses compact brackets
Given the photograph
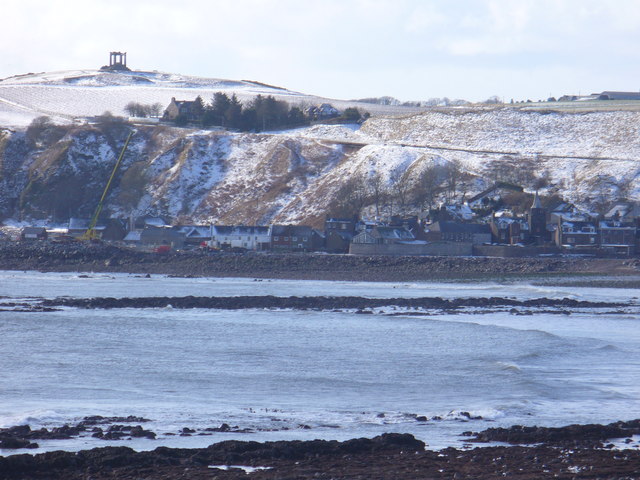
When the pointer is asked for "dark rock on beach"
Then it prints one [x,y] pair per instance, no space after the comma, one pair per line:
[21,436]
[583,435]
[387,457]
[358,304]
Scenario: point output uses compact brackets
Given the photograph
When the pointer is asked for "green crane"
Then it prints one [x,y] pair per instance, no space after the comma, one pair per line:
[91,234]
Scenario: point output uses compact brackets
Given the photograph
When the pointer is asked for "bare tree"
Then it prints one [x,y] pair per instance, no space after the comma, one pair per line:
[351,197]
[453,172]
[428,187]
[378,191]
[400,185]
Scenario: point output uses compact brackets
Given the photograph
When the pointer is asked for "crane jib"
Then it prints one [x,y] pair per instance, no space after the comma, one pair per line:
[90,234]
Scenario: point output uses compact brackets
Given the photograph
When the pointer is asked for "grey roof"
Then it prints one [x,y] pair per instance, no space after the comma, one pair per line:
[196,231]
[504,222]
[623,210]
[33,230]
[394,233]
[621,95]
[611,224]
[292,230]
[133,236]
[579,224]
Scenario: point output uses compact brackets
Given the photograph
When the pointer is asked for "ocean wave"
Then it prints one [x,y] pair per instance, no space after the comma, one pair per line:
[530,356]
[35,417]
[609,348]
[512,367]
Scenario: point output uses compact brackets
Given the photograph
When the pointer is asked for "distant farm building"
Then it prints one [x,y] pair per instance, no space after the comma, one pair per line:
[606,95]
[322,112]
[189,110]
[618,95]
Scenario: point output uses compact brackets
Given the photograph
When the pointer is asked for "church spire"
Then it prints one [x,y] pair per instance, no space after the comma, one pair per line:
[536,201]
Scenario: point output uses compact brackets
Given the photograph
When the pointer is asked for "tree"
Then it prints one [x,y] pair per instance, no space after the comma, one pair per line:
[351,197]
[493,100]
[377,190]
[42,129]
[198,108]
[270,113]
[400,185]
[219,106]
[428,187]
[296,117]
[135,109]
[248,119]
[452,172]
[233,114]
[155,110]
[351,114]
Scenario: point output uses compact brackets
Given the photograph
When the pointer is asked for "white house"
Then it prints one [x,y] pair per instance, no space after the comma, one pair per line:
[239,236]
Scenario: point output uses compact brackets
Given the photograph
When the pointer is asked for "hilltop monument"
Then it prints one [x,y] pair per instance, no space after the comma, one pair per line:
[117,62]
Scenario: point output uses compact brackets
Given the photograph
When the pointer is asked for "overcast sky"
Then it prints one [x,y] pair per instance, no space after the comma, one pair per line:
[409,49]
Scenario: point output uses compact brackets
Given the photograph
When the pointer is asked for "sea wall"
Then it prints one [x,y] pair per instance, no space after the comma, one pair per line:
[442,249]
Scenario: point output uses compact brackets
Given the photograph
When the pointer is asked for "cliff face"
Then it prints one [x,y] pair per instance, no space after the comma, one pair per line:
[200,176]
[299,176]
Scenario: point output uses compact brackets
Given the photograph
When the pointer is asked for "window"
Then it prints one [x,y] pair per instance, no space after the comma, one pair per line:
[294,239]
[304,239]
[275,239]
[286,239]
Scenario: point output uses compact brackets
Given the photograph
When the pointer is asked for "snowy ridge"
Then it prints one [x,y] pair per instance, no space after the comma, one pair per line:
[286,176]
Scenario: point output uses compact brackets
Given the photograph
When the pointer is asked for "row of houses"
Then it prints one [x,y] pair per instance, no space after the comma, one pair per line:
[451,230]
[563,228]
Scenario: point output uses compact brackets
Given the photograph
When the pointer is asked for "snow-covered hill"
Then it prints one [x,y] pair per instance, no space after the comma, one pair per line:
[590,157]
[86,93]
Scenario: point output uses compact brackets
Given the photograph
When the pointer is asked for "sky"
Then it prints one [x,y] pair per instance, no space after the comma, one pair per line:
[345,49]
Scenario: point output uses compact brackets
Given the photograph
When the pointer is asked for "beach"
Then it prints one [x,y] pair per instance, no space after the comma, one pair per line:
[287,362]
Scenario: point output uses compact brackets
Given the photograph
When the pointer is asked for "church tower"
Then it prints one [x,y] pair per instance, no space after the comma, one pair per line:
[537,221]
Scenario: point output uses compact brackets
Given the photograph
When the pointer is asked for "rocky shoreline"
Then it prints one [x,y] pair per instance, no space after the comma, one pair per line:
[81,257]
[333,303]
[571,452]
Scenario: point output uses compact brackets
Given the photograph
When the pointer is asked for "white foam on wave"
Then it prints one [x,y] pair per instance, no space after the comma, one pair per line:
[512,367]
[32,418]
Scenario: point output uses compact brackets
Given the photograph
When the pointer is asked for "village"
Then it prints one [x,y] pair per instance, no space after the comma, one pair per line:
[482,225]
[450,230]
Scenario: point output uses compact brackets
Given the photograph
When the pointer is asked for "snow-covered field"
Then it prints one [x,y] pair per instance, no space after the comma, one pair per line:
[85,93]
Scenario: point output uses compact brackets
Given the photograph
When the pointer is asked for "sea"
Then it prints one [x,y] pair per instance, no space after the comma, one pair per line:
[306,374]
